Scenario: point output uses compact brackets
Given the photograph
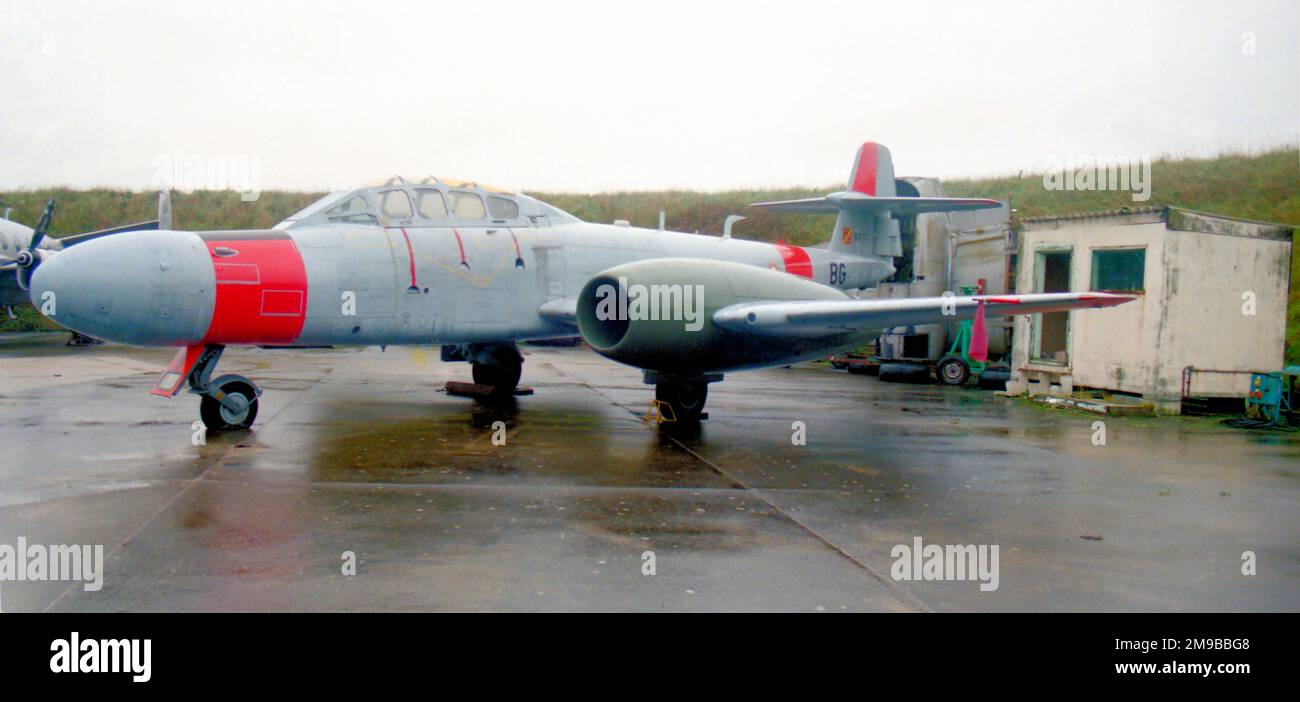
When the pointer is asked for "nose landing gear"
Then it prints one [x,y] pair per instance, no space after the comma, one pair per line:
[226,403]
[229,404]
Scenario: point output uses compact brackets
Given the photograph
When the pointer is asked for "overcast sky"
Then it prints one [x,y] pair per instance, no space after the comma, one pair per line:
[592,96]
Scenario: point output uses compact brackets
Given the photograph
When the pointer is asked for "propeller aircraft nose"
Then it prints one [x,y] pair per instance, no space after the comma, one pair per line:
[153,288]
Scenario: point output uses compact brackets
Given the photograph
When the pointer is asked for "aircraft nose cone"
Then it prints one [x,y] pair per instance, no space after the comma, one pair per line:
[151,288]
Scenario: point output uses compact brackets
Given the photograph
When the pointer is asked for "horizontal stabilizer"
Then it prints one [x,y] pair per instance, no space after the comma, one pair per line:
[859,202]
[826,317]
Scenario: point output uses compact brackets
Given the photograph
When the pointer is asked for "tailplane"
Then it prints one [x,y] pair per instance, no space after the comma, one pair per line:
[865,225]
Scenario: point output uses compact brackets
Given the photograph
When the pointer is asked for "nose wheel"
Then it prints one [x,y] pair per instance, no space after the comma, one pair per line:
[226,403]
[229,406]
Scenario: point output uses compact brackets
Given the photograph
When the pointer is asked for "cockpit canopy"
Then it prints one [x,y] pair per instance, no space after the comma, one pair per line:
[400,201]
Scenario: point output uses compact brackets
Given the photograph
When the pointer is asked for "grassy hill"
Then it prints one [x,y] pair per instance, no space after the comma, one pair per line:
[1263,186]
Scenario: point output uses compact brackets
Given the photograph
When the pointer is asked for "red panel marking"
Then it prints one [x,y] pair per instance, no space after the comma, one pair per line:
[410,252]
[173,378]
[461,246]
[281,303]
[516,240]
[519,258]
[266,308]
[796,260]
[237,273]
[864,179]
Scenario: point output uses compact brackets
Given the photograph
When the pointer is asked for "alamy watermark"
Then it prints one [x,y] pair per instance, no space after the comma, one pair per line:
[37,562]
[179,170]
[77,655]
[656,302]
[921,561]
[1082,172]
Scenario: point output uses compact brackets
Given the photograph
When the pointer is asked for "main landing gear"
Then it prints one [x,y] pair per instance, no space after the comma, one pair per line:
[228,402]
[683,394]
[497,365]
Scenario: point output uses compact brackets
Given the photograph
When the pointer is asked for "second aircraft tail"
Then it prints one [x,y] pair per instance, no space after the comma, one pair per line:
[865,224]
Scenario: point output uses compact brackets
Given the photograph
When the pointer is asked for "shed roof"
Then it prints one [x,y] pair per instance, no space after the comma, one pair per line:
[1175,218]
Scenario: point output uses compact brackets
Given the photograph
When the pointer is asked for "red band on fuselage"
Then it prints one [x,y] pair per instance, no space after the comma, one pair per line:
[261,295]
[796,260]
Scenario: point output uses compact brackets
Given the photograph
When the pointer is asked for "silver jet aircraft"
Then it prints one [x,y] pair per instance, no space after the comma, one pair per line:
[423,261]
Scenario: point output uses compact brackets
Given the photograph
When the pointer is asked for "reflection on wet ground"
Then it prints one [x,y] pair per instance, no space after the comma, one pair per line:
[357,453]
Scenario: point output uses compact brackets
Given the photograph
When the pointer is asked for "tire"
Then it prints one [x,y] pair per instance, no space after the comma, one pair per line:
[503,372]
[994,379]
[216,417]
[503,379]
[686,399]
[904,373]
[952,370]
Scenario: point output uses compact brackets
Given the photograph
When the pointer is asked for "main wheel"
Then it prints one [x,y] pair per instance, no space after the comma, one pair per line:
[685,399]
[503,378]
[952,370]
[218,417]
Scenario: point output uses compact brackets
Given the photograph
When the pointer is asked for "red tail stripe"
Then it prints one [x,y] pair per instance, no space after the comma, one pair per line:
[864,179]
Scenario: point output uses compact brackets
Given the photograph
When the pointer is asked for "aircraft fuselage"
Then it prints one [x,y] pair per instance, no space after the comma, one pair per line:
[362,284]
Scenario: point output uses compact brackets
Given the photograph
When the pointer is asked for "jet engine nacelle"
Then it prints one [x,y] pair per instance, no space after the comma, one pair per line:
[657,314]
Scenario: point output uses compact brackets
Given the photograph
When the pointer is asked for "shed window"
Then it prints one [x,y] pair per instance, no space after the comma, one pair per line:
[466,205]
[502,208]
[430,205]
[1121,270]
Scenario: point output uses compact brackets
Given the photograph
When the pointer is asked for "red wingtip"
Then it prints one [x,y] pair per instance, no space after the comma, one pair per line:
[1107,299]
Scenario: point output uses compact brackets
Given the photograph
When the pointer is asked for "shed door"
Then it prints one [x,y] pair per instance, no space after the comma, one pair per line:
[1052,330]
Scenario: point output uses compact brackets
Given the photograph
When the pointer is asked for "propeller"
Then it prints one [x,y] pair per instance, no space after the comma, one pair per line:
[28,259]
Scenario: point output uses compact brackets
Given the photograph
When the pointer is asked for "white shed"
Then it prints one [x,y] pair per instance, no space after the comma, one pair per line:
[1212,304]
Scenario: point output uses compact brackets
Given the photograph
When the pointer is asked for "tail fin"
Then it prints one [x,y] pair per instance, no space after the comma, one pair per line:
[865,225]
[873,171]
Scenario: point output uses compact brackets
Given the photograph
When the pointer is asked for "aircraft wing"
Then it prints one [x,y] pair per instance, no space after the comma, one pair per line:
[826,317]
[833,203]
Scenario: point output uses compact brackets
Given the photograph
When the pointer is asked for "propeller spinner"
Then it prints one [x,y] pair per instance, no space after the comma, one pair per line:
[28,259]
